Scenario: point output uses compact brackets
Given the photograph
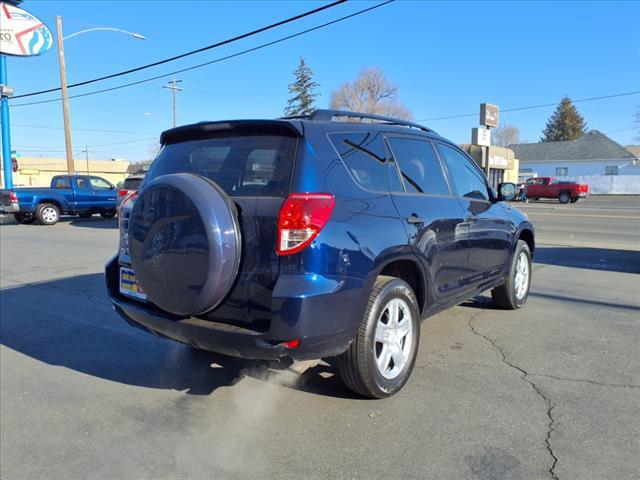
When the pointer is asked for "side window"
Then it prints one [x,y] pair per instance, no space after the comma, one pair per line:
[419,165]
[99,183]
[365,156]
[82,183]
[466,178]
[62,182]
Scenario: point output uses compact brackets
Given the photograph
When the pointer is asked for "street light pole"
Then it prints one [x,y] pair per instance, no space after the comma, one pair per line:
[63,82]
[65,98]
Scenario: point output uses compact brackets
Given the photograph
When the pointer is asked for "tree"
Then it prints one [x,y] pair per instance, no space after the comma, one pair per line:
[565,123]
[303,99]
[505,135]
[370,92]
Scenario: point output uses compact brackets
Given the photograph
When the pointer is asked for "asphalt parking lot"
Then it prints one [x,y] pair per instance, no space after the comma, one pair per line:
[549,391]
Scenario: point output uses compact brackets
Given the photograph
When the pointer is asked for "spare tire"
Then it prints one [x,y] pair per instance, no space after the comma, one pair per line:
[184,242]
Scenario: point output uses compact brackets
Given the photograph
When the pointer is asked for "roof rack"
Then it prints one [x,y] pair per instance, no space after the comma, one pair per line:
[329,115]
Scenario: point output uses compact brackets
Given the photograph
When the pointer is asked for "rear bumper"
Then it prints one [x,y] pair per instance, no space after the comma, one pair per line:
[13,208]
[583,194]
[311,319]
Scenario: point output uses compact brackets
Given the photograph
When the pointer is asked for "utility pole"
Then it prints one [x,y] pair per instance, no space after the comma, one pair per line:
[65,98]
[172,86]
[86,156]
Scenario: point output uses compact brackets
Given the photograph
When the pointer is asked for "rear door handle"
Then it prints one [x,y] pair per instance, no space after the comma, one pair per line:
[414,220]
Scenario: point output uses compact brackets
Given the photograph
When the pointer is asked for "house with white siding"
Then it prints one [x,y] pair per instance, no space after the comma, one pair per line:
[592,154]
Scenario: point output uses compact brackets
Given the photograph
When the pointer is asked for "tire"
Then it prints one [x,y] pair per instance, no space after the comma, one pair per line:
[26,218]
[565,197]
[48,214]
[513,293]
[359,365]
[108,213]
[85,215]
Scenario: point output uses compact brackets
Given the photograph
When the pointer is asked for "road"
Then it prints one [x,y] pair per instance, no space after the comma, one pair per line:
[549,391]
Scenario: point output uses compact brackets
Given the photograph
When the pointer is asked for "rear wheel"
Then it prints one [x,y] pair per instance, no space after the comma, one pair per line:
[513,293]
[564,197]
[48,214]
[380,359]
[108,213]
[26,218]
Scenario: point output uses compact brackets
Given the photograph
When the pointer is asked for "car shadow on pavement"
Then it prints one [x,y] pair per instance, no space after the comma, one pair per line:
[625,261]
[95,222]
[70,323]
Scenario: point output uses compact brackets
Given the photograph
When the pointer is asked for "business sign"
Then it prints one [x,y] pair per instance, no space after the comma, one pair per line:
[481,136]
[21,33]
[488,115]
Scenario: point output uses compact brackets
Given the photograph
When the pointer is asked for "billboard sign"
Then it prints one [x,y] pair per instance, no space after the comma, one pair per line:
[21,33]
[488,115]
[481,136]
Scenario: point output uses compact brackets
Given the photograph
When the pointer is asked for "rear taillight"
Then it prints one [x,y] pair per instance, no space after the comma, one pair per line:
[122,192]
[13,197]
[301,218]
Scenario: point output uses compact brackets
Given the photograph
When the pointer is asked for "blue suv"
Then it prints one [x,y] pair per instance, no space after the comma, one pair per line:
[307,238]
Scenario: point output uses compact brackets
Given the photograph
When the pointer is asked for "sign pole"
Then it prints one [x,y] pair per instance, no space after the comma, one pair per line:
[7,168]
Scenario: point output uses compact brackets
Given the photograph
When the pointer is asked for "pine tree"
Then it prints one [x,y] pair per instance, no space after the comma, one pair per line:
[565,123]
[302,101]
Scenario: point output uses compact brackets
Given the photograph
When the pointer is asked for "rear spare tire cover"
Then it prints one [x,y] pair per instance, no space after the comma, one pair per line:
[184,241]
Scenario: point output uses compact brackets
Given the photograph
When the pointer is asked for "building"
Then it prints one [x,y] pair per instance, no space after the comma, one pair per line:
[592,154]
[503,164]
[38,172]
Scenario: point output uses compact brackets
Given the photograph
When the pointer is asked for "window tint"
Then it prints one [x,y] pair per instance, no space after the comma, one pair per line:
[365,156]
[99,183]
[466,178]
[251,165]
[61,182]
[419,165]
[82,183]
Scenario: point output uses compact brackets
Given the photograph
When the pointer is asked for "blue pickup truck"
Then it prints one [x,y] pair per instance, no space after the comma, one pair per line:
[81,195]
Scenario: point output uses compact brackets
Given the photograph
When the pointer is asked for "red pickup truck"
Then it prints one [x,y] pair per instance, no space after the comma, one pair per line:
[549,187]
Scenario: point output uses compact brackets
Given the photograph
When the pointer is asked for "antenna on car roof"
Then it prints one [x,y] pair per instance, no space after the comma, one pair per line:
[328,116]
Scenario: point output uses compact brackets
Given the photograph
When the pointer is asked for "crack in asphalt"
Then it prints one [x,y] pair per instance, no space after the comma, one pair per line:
[585,380]
[525,375]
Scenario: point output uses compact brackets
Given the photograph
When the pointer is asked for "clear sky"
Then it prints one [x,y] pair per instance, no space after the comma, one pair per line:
[446,58]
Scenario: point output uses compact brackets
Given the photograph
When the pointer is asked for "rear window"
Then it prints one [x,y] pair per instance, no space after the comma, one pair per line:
[253,166]
[132,183]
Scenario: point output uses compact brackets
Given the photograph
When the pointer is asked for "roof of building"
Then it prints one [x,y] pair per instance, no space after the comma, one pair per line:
[593,145]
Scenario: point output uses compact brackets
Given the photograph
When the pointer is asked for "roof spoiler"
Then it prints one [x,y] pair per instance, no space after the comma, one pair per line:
[206,129]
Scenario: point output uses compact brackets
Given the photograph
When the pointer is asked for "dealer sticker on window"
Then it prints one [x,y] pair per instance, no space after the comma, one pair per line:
[129,286]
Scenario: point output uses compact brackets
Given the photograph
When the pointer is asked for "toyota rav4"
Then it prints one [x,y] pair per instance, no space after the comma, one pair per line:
[306,238]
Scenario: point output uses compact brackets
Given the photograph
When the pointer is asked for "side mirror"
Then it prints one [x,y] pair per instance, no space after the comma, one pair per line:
[507,192]
[112,187]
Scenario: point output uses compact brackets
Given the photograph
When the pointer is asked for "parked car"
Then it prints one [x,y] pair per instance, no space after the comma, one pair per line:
[550,187]
[131,184]
[307,238]
[81,195]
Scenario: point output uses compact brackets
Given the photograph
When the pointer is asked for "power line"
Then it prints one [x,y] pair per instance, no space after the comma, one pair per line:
[530,107]
[243,52]
[47,127]
[192,52]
